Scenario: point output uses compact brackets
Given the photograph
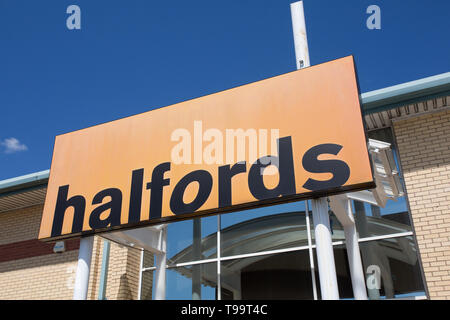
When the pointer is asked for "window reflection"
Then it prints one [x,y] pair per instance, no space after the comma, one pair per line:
[192,240]
[268,228]
[147,285]
[194,282]
[274,276]
[371,221]
[391,268]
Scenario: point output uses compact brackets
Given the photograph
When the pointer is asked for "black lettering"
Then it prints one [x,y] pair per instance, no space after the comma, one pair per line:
[137,180]
[62,203]
[339,169]
[225,175]
[286,183]
[157,184]
[114,205]
[205,182]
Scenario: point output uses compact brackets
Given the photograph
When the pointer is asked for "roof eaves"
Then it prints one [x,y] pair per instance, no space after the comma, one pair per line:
[23,182]
[406,93]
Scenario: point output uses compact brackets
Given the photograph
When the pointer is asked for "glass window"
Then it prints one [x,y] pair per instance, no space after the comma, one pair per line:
[375,221]
[262,229]
[394,217]
[273,276]
[147,285]
[392,268]
[342,273]
[192,240]
[193,282]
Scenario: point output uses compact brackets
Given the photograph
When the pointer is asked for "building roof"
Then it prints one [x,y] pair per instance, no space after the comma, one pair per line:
[23,191]
[377,101]
[406,93]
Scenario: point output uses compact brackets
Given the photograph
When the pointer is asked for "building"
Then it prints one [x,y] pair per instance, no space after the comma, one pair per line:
[266,253]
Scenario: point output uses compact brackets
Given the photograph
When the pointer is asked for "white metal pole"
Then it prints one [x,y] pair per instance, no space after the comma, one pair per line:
[324,249]
[300,39]
[84,263]
[324,246]
[161,264]
[219,267]
[141,274]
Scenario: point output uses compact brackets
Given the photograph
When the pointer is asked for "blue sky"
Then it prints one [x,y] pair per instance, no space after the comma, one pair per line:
[132,56]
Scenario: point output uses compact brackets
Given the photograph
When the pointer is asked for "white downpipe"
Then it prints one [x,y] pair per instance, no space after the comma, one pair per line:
[354,257]
[311,253]
[342,208]
[161,264]
[355,264]
[324,249]
[300,38]
[80,291]
[141,266]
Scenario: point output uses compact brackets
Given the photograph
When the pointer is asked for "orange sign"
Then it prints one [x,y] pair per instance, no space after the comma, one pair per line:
[290,137]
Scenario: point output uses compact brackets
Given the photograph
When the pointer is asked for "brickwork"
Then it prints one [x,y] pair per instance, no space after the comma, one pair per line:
[30,270]
[45,277]
[424,147]
[123,273]
[41,275]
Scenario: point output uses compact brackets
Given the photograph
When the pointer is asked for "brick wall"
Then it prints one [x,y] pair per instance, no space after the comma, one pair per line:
[424,147]
[123,273]
[30,270]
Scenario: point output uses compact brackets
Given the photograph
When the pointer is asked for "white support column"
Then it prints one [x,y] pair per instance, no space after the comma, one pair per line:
[324,249]
[354,258]
[141,266]
[160,264]
[84,263]
[311,253]
[300,39]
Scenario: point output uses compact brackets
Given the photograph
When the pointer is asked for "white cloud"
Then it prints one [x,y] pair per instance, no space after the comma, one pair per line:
[13,145]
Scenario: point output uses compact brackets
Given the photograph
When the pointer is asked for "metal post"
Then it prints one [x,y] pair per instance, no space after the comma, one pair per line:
[300,39]
[196,252]
[84,263]
[141,274]
[104,270]
[324,249]
[160,264]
